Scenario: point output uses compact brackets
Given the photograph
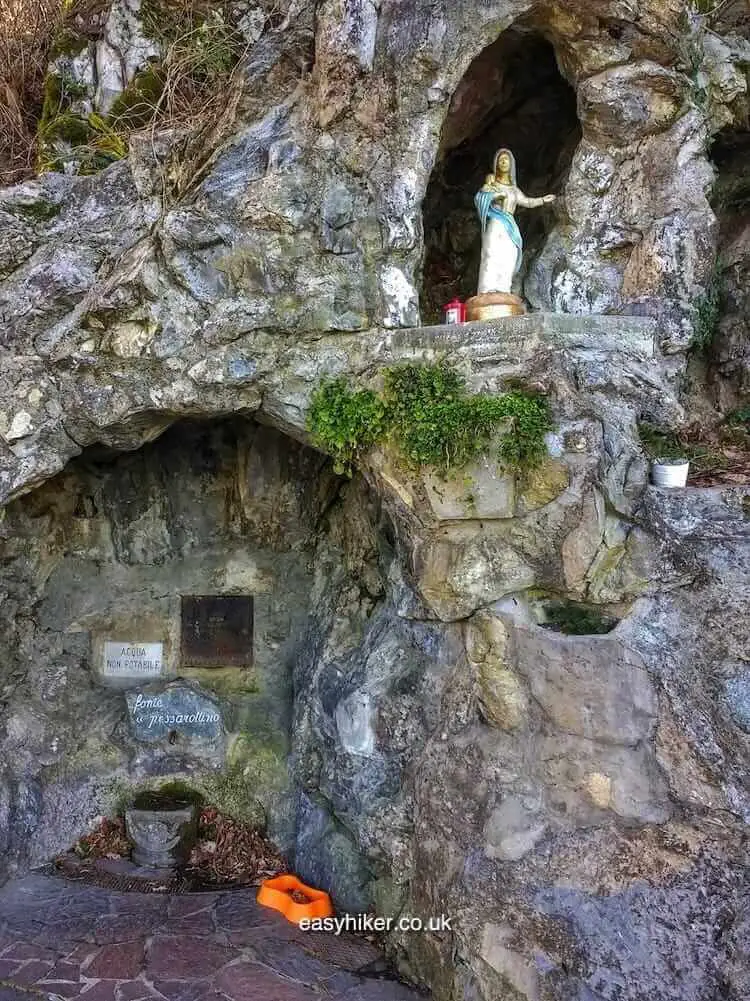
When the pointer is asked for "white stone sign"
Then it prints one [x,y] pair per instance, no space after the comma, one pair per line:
[133,660]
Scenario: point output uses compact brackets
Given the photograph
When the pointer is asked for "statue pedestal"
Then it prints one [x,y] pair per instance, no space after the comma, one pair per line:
[491,305]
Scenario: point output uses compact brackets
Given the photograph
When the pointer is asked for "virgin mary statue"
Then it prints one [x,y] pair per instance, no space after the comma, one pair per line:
[502,246]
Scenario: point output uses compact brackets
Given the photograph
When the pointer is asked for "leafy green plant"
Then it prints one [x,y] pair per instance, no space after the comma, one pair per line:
[708,312]
[136,106]
[427,413]
[739,417]
[345,423]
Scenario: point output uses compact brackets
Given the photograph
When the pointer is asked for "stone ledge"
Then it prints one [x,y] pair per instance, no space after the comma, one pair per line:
[51,410]
[717,513]
[506,338]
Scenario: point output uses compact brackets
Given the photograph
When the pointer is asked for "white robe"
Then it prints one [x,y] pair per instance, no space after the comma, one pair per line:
[499,259]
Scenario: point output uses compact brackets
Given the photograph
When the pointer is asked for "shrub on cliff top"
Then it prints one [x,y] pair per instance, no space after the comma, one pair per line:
[426,411]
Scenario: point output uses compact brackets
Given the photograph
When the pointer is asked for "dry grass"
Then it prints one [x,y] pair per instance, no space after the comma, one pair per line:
[719,453]
[194,89]
[28,30]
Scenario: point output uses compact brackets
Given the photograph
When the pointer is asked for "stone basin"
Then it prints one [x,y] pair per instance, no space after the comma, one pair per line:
[163,829]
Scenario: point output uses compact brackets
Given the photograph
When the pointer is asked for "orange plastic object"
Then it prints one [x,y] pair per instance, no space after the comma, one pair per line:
[276,893]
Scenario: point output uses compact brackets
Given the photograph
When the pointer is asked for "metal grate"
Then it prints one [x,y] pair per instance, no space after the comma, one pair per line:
[75,870]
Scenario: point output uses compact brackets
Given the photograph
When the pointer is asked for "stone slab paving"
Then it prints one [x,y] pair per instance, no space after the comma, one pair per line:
[62,940]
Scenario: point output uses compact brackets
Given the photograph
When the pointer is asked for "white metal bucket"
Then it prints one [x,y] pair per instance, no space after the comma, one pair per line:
[669,472]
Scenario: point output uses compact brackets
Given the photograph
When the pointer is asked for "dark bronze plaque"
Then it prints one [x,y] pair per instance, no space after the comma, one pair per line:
[217,631]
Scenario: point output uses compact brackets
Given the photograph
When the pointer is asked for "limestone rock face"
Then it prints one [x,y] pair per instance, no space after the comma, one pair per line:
[415,728]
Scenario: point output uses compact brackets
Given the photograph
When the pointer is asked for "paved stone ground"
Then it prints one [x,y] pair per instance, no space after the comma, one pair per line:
[67,940]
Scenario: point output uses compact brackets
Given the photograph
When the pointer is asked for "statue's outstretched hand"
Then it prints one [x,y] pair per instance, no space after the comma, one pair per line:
[549,198]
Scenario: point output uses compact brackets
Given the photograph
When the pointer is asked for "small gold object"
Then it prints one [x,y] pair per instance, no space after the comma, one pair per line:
[492,305]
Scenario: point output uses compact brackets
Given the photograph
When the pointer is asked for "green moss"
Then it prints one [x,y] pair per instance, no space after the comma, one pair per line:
[256,770]
[90,759]
[544,482]
[427,413]
[39,211]
[254,775]
[608,563]
[90,140]
[68,43]
[708,310]
[60,91]
[169,796]
[53,99]
[117,798]
[577,620]
[137,104]
[69,128]
[225,680]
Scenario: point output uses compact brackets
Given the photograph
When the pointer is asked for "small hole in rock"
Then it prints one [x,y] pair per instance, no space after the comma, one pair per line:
[576,620]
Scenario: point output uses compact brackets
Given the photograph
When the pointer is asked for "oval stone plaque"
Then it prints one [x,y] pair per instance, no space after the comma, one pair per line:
[159,712]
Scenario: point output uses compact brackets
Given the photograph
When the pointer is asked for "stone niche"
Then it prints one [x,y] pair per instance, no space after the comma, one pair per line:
[730,344]
[160,598]
[513,95]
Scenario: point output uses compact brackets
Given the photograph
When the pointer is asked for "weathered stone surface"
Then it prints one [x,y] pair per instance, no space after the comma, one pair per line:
[327,856]
[502,696]
[628,103]
[737,694]
[513,828]
[133,539]
[457,573]
[406,726]
[481,490]
[592,686]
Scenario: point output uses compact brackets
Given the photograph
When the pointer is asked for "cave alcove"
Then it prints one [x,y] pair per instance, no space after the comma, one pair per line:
[228,516]
[729,347]
[513,95]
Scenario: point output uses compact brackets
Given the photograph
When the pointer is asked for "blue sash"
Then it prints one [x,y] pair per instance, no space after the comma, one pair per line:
[487,210]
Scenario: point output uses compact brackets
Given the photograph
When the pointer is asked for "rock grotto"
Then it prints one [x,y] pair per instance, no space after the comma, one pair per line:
[397,713]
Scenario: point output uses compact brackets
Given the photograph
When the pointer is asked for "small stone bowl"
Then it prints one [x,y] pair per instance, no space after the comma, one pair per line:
[163,830]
